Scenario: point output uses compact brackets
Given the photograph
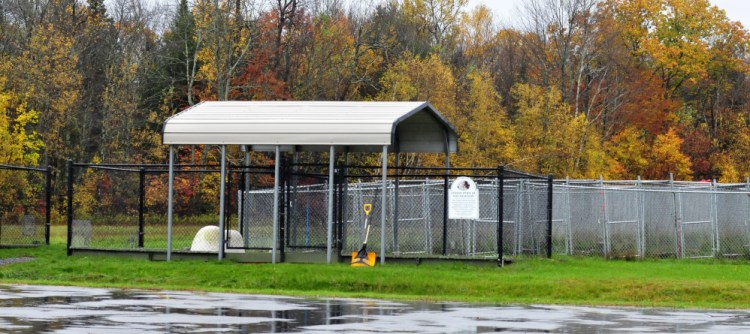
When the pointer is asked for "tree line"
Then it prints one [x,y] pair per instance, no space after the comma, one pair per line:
[578,88]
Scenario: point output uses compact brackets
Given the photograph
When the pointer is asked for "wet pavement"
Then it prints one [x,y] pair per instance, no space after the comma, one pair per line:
[53,309]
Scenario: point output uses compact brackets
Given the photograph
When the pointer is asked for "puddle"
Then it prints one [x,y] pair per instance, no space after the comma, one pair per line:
[53,309]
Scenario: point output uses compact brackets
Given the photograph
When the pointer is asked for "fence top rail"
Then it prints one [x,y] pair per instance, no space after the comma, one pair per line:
[683,190]
[14,167]
[165,167]
[508,173]
[654,183]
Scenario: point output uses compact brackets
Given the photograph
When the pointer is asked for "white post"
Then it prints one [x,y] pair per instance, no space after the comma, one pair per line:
[169,202]
[276,204]
[246,222]
[222,235]
[331,156]
[383,204]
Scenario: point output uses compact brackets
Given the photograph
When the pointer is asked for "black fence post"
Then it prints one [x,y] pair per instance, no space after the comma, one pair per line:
[445,213]
[500,209]
[48,203]
[141,204]
[242,188]
[70,205]
[549,216]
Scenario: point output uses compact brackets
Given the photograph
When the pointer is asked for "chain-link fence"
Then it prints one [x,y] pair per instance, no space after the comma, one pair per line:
[124,207]
[24,205]
[417,222]
[656,219]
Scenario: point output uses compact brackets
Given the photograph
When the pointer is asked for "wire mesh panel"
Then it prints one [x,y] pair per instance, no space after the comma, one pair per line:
[24,205]
[484,229]
[733,217]
[622,223]
[257,218]
[562,233]
[306,192]
[535,200]
[696,224]
[656,218]
[307,226]
[359,192]
[660,223]
[586,213]
[105,208]
[253,207]
[511,218]
[412,226]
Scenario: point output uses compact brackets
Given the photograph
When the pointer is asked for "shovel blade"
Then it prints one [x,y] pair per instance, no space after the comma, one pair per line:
[368,260]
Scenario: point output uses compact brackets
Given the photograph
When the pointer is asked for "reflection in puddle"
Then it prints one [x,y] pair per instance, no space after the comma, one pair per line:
[34,309]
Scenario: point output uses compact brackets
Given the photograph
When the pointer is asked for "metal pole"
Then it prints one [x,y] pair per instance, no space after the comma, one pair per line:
[500,204]
[141,204]
[549,216]
[246,222]
[641,219]
[445,195]
[383,204]
[331,156]
[48,203]
[715,217]
[222,188]
[276,204]
[70,206]
[170,196]
[344,208]
[395,205]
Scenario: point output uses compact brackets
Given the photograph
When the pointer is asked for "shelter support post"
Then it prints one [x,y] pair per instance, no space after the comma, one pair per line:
[222,199]
[331,158]
[170,195]
[445,193]
[245,222]
[383,203]
[395,204]
[275,233]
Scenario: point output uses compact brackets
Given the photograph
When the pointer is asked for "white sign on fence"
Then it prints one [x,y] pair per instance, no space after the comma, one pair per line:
[463,199]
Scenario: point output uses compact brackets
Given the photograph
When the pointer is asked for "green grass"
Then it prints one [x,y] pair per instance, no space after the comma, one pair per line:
[577,281]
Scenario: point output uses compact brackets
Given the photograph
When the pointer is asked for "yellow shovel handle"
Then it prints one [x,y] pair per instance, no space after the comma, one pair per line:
[368,208]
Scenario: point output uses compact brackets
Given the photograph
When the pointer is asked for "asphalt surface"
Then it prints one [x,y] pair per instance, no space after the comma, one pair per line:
[54,309]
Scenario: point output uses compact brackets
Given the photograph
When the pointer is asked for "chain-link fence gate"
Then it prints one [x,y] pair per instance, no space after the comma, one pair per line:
[24,205]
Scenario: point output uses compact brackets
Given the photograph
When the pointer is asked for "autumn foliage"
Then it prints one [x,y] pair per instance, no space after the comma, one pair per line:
[578,88]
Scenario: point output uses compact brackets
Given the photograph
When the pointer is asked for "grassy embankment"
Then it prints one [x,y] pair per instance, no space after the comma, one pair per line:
[578,281]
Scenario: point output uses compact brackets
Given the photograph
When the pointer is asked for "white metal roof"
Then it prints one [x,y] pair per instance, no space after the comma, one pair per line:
[313,126]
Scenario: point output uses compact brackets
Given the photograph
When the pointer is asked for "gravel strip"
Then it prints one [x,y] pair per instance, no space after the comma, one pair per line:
[15,260]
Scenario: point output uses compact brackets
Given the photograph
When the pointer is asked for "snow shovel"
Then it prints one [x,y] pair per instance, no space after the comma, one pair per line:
[364,258]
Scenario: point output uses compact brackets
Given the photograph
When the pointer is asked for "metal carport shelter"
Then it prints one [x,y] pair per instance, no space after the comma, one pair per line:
[307,126]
